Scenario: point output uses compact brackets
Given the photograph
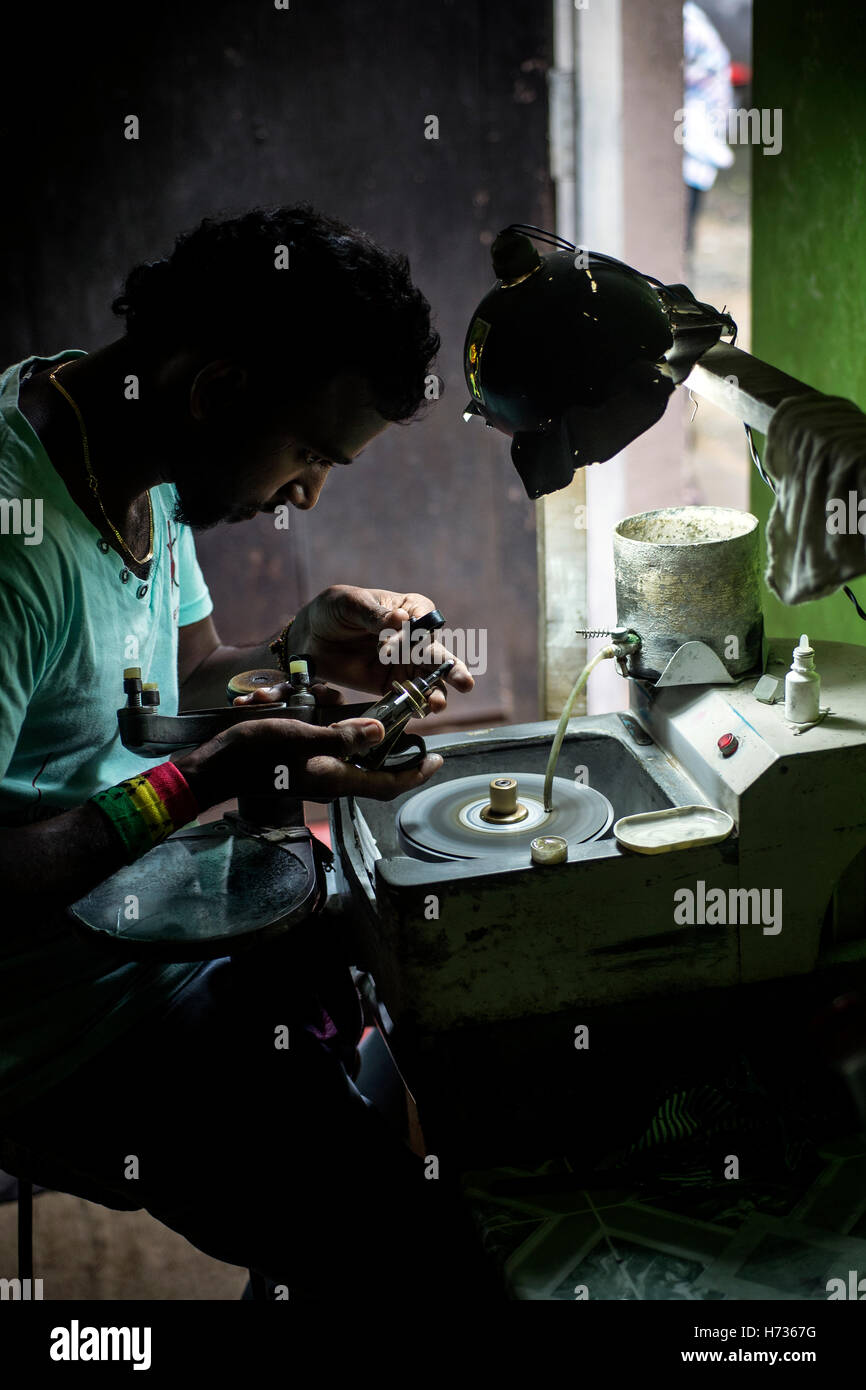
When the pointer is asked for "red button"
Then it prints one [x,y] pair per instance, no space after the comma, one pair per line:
[727,745]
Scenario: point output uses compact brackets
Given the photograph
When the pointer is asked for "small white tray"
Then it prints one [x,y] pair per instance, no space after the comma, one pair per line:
[680,827]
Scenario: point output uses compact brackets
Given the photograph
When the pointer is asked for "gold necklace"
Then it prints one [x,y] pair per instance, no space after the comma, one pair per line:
[91,478]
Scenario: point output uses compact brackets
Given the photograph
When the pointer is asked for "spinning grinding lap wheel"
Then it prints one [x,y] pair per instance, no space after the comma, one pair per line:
[473,817]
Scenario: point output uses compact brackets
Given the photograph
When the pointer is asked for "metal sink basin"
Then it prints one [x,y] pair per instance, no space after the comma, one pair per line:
[479,941]
[633,778]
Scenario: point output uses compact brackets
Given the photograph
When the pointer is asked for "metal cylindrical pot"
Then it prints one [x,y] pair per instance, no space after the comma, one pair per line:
[687,574]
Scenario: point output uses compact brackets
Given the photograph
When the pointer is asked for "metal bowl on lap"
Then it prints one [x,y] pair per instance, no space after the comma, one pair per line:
[205,892]
[474,817]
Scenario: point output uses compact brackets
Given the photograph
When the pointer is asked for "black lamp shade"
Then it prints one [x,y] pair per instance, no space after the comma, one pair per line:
[574,354]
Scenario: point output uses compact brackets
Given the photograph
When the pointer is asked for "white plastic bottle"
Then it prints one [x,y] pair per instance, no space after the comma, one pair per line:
[803,686]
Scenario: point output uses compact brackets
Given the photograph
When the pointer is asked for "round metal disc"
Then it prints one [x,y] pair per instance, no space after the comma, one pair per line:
[445,821]
[198,895]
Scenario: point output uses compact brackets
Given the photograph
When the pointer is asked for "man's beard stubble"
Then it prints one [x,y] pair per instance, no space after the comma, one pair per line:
[205,501]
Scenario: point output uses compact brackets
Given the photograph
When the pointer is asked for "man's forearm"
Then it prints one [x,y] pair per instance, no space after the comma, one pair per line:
[49,864]
[205,687]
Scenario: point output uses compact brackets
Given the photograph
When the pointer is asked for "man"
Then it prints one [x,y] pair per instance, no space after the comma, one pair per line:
[708,98]
[264,352]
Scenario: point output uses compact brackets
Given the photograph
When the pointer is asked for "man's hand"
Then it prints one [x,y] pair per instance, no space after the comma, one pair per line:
[245,759]
[340,630]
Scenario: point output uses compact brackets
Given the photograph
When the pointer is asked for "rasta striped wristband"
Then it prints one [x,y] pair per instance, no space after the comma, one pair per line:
[147,808]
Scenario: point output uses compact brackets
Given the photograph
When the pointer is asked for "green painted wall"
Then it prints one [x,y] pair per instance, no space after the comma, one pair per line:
[809,235]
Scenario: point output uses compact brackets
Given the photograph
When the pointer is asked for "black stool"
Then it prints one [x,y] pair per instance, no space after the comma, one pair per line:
[25,1230]
[20,1191]
[258,1284]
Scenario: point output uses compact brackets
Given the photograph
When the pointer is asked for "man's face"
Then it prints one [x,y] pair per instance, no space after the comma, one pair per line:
[236,460]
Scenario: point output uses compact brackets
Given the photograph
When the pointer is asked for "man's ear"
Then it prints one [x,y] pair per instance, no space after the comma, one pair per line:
[216,388]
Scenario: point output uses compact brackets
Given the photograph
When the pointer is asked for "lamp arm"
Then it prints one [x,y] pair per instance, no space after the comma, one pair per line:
[742,385]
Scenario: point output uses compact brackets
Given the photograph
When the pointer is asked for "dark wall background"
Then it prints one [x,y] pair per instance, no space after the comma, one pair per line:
[242,104]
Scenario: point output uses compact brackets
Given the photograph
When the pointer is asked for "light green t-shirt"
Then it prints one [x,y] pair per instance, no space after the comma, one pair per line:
[69,624]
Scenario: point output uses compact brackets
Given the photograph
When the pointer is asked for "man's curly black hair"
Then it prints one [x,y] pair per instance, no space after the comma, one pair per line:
[343,303]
